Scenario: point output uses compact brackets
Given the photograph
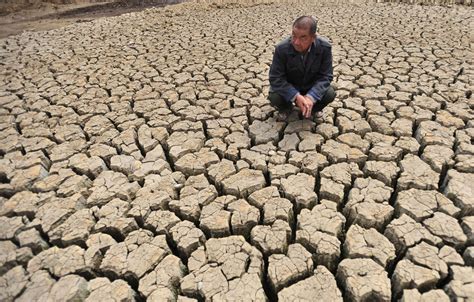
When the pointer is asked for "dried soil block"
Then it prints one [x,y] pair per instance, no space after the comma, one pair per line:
[368,204]
[139,253]
[322,285]
[364,279]
[459,188]
[244,183]
[286,269]
[228,267]
[415,173]
[368,243]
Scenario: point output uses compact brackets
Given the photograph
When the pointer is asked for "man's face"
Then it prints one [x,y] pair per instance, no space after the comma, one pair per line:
[301,39]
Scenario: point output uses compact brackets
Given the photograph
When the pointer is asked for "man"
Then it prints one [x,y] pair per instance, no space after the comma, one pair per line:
[301,71]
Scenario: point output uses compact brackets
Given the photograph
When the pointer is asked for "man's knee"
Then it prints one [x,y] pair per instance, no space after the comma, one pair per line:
[274,98]
[330,95]
[278,102]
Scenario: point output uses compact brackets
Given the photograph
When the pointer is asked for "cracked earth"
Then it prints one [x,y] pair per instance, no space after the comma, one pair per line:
[140,159]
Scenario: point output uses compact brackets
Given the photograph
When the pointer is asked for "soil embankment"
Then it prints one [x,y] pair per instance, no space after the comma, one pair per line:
[35,15]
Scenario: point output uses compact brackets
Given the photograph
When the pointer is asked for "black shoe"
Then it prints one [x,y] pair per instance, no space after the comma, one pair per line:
[283,116]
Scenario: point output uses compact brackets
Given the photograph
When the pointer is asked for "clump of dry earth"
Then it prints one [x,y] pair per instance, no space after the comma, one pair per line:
[140,159]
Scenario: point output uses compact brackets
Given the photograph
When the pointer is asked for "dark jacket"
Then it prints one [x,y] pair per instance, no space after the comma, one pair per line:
[288,75]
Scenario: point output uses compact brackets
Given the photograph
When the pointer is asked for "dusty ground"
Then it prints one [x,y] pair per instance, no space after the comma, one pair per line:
[141,160]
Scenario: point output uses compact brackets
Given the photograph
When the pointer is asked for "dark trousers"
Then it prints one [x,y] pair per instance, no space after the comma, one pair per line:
[283,106]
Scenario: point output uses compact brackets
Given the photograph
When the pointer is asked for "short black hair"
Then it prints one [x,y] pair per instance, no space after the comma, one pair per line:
[306,22]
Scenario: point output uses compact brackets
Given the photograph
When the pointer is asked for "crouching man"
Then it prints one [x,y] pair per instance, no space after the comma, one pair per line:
[301,71]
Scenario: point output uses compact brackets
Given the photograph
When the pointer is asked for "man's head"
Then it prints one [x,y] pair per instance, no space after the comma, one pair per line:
[303,33]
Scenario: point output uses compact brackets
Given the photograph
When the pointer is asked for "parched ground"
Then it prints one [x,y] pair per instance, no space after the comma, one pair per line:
[141,160]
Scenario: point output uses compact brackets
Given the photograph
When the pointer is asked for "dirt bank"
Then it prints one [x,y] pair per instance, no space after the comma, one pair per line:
[35,15]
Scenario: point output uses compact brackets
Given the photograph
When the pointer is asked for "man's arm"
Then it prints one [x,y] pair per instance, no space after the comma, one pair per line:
[324,78]
[278,79]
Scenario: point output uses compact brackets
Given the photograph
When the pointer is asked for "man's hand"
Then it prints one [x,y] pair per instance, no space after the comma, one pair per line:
[305,104]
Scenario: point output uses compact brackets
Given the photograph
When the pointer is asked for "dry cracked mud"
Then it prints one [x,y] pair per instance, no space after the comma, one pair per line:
[140,159]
